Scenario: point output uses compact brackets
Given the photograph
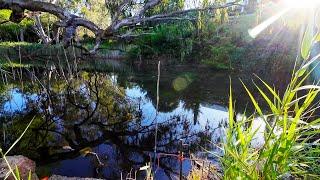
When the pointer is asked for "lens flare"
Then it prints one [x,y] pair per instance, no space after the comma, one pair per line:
[301,3]
[304,5]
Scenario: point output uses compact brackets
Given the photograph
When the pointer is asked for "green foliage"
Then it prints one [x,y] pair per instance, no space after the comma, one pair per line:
[10,31]
[167,6]
[95,11]
[311,35]
[181,40]
[290,139]
[10,56]
[5,14]
[173,40]
[307,42]
[222,56]
[207,22]
[112,6]
[290,147]
[9,44]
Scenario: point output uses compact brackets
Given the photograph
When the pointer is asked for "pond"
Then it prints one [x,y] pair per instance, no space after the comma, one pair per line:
[103,124]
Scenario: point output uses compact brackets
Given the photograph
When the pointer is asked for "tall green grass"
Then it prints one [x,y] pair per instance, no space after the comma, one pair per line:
[291,138]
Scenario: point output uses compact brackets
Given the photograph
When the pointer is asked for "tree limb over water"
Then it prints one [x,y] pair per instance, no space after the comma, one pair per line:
[69,22]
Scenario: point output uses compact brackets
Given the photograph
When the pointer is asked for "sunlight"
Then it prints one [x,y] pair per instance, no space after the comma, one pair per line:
[288,5]
[301,3]
[265,24]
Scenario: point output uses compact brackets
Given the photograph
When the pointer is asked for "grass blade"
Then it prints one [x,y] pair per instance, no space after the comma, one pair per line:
[19,137]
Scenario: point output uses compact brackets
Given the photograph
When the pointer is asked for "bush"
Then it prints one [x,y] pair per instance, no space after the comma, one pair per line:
[11,31]
[173,40]
[222,56]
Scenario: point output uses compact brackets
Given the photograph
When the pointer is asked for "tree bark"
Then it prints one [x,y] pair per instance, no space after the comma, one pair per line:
[40,31]
[21,35]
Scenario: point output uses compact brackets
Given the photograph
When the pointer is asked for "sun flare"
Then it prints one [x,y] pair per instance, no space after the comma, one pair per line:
[301,3]
[287,5]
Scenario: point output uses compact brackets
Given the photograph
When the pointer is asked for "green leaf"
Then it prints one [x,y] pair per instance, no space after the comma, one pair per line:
[256,105]
[307,42]
[271,105]
[317,37]
[17,173]
[19,137]
[231,121]
[30,175]
[274,93]
[301,72]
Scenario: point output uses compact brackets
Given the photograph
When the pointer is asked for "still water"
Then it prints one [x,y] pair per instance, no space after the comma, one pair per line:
[103,124]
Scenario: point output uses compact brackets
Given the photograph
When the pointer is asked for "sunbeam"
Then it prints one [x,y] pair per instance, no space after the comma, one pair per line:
[265,24]
[288,5]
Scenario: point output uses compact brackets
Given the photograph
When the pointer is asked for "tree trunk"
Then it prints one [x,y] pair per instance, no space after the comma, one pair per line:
[21,35]
[40,31]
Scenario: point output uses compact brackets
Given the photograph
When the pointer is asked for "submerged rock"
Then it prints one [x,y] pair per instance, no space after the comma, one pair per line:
[57,177]
[24,164]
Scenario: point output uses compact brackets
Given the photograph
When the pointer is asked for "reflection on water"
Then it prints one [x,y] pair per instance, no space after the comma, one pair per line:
[16,101]
[83,114]
[206,114]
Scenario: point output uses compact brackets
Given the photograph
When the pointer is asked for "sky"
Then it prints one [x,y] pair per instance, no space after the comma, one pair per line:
[189,4]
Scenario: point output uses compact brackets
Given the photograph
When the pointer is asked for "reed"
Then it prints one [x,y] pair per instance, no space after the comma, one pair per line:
[291,136]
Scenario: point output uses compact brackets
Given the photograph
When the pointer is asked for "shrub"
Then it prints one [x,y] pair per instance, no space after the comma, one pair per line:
[173,40]
[222,55]
[11,31]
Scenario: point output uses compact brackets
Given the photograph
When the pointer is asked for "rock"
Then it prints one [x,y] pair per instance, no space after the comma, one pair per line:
[57,177]
[24,164]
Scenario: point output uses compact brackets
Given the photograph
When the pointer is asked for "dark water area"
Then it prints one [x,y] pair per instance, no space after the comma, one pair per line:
[103,124]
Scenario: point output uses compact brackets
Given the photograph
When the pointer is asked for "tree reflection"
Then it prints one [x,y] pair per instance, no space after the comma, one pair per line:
[190,86]
[74,111]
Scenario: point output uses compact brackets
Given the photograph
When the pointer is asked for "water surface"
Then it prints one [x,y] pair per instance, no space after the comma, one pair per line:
[103,124]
